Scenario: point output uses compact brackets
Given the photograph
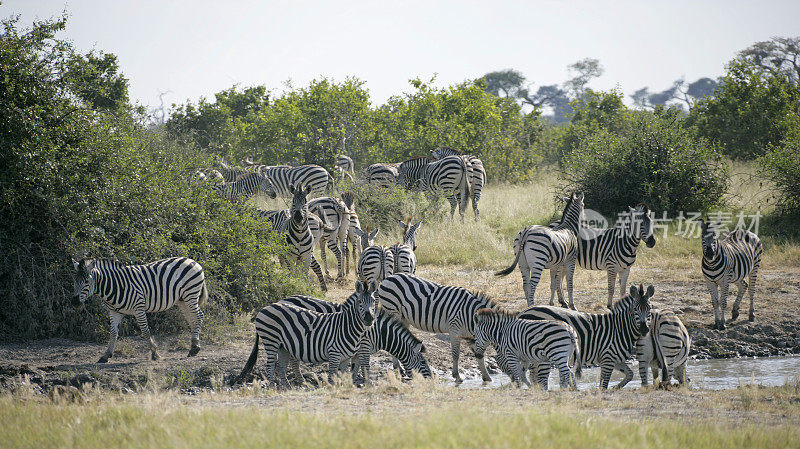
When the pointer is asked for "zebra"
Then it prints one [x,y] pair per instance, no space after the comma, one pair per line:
[477,174]
[336,213]
[280,223]
[523,342]
[288,332]
[432,307]
[556,248]
[283,177]
[344,165]
[352,238]
[382,175]
[141,289]
[386,333]
[614,249]
[665,347]
[230,173]
[377,261]
[607,339]
[729,261]
[246,185]
[405,261]
[449,176]
[299,238]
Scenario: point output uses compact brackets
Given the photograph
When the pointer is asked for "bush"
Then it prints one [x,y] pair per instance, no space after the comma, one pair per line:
[780,165]
[382,207]
[652,160]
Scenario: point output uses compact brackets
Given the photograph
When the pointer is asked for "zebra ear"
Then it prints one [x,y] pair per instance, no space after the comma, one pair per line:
[421,348]
[291,189]
[88,265]
[373,286]
[307,190]
[401,223]
[634,291]
[359,287]
[76,264]
[419,223]
[565,199]
[650,291]
[358,232]
[374,233]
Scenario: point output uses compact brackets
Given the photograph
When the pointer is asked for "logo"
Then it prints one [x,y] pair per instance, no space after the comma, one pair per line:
[591,222]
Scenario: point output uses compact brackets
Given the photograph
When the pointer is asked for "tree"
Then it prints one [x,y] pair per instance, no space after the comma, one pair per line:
[583,72]
[779,57]
[680,91]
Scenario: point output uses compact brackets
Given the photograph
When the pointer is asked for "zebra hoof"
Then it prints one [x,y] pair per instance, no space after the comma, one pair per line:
[104,358]
[193,352]
[154,356]
[751,318]
[734,314]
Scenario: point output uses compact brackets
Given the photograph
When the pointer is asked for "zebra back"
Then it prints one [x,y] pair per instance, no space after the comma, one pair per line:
[312,176]
[375,264]
[405,261]
[734,257]
[668,343]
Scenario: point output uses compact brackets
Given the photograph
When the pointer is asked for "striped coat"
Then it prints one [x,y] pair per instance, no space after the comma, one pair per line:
[313,177]
[477,177]
[665,347]
[448,176]
[336,213]
[246,186]
[382,175]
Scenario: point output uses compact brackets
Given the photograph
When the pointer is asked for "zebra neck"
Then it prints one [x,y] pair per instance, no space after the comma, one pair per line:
[717,257]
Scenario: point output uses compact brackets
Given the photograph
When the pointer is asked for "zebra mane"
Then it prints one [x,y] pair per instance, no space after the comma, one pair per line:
[420,158]
[394,321]
[622,304]
[497,312]
[484,297]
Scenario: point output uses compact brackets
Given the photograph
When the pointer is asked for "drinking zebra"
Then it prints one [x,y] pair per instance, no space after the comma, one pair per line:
[336,213]
[477,174]
[524,342]
[386,333]
[299,238]
[614,249]
[344,165]
[607,339]
[246,186]
[283,177]
[665,347]
[141,289]
[382,175]
[376,262]
[729,261]
[289,332]
[432,307]
[449,176]
[556,248]
[405,261]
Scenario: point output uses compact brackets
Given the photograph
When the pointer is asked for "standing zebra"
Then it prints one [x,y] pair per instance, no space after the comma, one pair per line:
[352,238]
[283,177]
[288,332]
[336,213]
[524,342]
[376,261]
[729,261]
[405,261]
[449,176]
[666,346]
[477,174]
[435,308]
[614,249]
[345,167]
[382,175]
[140,289]
[607,339]
[299,238]
[386,333]
[556,248]
[246,185]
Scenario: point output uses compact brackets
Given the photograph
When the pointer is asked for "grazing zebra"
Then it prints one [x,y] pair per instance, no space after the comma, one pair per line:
[376,262]
[477,174]
[607,339]
[345,167]
[352,238]
[666,346]
[405,261]
[382,175]
[556,248]
[386,333]
[140,289]
[283,177]
[524,342]
[280,223]
[449,176]
[614,249]
[230,173]
[299,238]
[435,308]
[731,260]
[288,332]
[246,186]
[336,213]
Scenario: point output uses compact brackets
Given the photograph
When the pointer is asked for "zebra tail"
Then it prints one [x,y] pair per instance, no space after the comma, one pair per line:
[251,362]
[466,179]
[578,359]
[203,295]
[508,270]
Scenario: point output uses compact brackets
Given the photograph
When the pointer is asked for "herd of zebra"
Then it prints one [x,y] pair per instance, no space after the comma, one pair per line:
[389,298]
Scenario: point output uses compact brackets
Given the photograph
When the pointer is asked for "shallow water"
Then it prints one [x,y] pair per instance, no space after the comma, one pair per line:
[714,374]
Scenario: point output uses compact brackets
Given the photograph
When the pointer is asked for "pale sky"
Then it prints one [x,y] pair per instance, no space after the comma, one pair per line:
[197,48]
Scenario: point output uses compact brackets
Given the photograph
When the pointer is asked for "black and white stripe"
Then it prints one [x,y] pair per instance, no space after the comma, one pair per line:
[246,186]
[337,215]
[141,289]
[477,174]
[345,166]
[449,176]
[386,334]
[283,177]
[665,347]
[432,307]
[382,174]
[376,263]
[299,238]
[290,332]
[528,342]
[614,249]
[405,261]
[607,339]
[733,260]
[354,240]
[556,248]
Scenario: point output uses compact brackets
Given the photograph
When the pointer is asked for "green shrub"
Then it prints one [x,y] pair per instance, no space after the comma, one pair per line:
[781,165]
[382,207]
[653,160]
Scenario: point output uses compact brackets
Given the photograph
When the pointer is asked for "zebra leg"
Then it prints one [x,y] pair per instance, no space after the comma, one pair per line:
[570,275]
[565,377]
[680,373]
[742,287]
[318,271]
[194,318]
[323,241]
[612,279]
[606,369]
[654,367]
[712,288]
[280,368]
[525,272]
[462,204]
[623,366]
[475,198]
[559,281]
[271,356]
[515,371]
[453,202]
[534,272]
[542,374]
[751,290]
[298,376]
[623,282]
[141,320]
[455,348]
[643,372]
[333,245]
[115,318]
[555,283]
[334,364]
[723,301]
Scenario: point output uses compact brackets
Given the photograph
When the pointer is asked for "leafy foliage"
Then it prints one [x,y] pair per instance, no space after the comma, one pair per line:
[780,165]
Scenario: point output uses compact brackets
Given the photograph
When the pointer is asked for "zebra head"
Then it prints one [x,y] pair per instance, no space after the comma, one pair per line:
[365,298]
[442,152]
[571,217]
[83,280]
[367,238]
[709,238]
[642,224]
[267,187]
[640,310]
[299,209]
[489,325]
[410,232]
